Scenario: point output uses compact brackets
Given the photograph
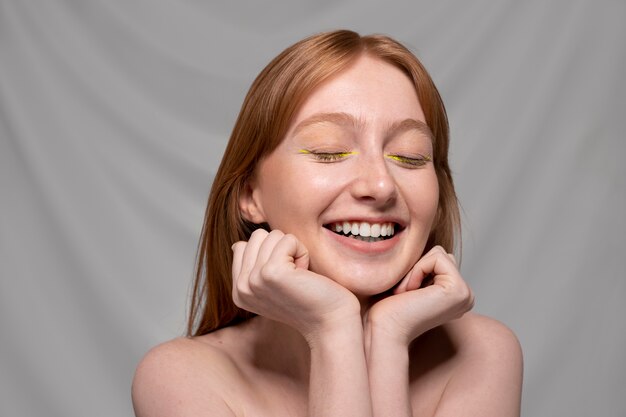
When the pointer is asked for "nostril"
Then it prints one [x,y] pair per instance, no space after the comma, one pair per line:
[374,189]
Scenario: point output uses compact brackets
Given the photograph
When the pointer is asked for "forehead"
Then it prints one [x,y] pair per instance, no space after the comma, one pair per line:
[370,91]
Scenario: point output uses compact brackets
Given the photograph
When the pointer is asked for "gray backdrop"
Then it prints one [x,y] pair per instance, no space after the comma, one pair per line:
[114,115]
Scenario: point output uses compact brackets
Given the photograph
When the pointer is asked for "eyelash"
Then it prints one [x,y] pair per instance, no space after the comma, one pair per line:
[412,162]
[331,157]
[327,156]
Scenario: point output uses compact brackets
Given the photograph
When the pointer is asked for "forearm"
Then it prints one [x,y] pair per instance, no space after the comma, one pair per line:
[388,370]
[338,381]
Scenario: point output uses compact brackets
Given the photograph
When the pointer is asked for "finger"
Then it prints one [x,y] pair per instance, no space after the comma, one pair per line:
[251,252]
[410,276]
[238,249]
[262,257]
[434,252]
[414,278]
[300,253]
[289,250]
[438,263]
[267,246]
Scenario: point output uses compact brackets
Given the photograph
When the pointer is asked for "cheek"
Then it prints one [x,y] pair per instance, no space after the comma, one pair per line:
[424,198]
[295,195]
[434,197]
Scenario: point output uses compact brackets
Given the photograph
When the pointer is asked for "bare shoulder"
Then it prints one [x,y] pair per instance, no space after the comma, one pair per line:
[182,377]
[487,376]
[478,335]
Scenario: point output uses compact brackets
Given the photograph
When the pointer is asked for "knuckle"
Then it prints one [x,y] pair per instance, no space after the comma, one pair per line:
[254,283]
[276,232]
[238,245]
[460,292]
[257,280]
[241,289]
[467,298]
[288,237]
[259,232]
[464,293]
[269,272]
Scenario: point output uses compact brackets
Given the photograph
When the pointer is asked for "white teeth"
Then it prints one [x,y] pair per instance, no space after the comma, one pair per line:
[364,229]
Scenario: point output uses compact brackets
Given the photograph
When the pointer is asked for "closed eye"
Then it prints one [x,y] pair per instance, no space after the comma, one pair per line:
[416,162]
[327,156]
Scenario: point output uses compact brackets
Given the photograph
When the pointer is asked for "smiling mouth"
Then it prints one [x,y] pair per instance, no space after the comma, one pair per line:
[364,231]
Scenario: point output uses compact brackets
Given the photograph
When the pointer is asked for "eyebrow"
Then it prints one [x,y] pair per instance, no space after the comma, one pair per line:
[347,120]
[341,119]
[405,125]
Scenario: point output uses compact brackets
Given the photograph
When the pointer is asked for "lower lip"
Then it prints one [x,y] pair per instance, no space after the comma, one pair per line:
[379,247]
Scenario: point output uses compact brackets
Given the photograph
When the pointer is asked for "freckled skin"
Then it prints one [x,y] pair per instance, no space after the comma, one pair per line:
[370,175]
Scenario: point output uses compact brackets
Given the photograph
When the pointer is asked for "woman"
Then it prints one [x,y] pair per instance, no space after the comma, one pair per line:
[325,283]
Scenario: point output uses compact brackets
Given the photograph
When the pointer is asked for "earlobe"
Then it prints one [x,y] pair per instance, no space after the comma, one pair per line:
[250,206]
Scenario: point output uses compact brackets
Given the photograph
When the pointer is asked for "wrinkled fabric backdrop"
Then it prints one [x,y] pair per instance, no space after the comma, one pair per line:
[114,116]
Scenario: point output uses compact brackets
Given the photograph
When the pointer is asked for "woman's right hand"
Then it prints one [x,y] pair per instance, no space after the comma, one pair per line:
[271,278]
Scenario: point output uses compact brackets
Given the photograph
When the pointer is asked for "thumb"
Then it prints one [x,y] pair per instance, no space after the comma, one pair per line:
[298,252]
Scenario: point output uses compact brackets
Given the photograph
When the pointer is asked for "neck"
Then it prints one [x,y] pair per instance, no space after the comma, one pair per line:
[278,348]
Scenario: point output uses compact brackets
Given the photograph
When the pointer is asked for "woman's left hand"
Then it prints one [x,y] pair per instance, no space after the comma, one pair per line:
[413,309]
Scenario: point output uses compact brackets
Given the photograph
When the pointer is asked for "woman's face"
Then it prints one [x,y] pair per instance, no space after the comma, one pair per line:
[357,158]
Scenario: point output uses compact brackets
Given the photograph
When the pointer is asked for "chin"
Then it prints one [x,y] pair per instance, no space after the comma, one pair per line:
[366,285]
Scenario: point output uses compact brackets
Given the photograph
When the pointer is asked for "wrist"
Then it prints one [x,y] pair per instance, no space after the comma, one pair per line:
[386,330]
[396,344]
[336,332]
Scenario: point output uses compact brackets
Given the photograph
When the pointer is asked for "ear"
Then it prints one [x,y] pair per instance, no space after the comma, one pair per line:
[250,204]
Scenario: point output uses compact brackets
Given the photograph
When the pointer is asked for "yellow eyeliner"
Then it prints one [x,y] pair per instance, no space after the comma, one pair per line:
[399,158]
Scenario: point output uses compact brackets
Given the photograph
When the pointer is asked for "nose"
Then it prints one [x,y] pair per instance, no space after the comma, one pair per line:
[374,182]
